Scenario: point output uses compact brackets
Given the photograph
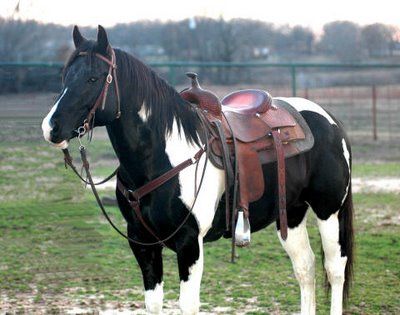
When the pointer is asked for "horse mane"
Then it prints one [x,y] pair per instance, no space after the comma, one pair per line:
[162,103]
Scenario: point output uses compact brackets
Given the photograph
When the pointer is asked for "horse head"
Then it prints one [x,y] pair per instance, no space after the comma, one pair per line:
[90,90]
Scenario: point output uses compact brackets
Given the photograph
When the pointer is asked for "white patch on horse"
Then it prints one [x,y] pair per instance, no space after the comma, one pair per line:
[154,299]
[334,263]
[297,246]
[301,104]
[189,297]
[46,128]
[178,150]
[144,113]
[347,157]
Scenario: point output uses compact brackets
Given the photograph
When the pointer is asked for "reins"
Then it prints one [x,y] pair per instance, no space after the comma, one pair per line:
[133,197]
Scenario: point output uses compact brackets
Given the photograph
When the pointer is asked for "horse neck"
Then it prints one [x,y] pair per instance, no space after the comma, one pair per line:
[133,156]
[142,154]
[139,144]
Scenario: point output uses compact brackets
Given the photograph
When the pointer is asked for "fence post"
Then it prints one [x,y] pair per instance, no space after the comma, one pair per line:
[374,114]
[293,74]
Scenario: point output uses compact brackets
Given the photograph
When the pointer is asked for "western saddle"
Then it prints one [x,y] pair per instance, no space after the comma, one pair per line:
[249,128]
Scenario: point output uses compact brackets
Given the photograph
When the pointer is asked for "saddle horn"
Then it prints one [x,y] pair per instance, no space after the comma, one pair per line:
[195,81]
[204,99]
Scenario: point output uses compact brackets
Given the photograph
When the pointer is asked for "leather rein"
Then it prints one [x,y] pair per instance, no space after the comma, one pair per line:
[133,197]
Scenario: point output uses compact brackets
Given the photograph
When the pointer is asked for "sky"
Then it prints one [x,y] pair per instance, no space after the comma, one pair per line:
[309,13]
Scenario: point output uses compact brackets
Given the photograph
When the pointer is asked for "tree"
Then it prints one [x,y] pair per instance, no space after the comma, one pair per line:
[302,40]
[342,39]
[377,39]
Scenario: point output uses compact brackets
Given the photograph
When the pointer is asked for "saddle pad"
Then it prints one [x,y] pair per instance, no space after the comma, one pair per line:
[264,147]
[302,145]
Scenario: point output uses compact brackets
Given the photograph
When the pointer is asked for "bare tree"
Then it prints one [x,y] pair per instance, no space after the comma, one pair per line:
[377,39]
[342,40]
[302,40]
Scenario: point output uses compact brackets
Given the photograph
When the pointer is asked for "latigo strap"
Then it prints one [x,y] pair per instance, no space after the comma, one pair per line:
[281,183]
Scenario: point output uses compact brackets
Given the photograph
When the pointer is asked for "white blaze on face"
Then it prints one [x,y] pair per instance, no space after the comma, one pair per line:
[46,124]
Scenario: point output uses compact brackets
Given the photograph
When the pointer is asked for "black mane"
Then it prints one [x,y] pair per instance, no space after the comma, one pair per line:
[162,102]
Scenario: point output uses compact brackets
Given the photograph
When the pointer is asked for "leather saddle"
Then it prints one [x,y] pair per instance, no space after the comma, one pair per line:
[249,128]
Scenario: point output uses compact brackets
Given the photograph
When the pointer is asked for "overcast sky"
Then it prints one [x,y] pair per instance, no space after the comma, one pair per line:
[311,13]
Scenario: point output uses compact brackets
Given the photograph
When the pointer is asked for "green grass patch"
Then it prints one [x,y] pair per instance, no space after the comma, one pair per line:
[54,245]
[59,246]
[391,169]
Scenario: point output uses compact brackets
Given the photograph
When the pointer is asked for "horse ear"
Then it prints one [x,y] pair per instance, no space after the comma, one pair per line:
[102,40]
[77,36]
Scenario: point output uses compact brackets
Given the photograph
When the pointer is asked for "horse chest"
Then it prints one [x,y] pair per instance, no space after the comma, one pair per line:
[212,187]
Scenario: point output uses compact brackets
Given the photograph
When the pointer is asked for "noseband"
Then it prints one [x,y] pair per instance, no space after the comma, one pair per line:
[101,99]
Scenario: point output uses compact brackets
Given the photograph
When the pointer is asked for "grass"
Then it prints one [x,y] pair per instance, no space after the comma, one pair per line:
[57,252]
[388,169]
[58,247]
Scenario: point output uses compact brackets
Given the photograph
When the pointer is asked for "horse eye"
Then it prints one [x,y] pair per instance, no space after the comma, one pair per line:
[92,79]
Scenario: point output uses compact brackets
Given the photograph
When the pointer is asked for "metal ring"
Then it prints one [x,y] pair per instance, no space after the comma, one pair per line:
[109,78]
[81,131]
[131,196]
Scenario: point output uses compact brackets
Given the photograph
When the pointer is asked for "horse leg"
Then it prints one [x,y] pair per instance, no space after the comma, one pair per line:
[149,259]
[334,210]
[297,246]
[335,264]
[190,263]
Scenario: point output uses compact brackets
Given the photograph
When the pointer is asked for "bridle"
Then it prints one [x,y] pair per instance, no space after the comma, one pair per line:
[101,99]
[132,197]
[88,122]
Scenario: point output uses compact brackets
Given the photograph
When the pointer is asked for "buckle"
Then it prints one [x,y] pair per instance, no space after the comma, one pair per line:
[131,196]
[109,78]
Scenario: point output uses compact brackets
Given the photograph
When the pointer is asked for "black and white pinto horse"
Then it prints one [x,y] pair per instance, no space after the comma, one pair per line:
[158,130]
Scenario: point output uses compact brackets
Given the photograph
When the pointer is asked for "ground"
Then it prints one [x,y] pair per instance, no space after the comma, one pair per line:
[58,255]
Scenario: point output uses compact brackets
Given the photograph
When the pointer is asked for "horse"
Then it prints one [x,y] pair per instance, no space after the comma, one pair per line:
[152,129]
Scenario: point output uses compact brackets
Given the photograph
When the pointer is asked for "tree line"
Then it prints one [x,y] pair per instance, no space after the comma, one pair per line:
[206,39]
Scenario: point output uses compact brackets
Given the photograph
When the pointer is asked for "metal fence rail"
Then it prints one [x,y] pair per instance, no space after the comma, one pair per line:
[366,97]
[292,68]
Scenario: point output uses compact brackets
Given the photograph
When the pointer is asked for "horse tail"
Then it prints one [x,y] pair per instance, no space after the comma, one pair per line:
[346,240]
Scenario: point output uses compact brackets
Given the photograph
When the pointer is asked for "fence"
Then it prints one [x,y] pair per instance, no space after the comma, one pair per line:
[366,97]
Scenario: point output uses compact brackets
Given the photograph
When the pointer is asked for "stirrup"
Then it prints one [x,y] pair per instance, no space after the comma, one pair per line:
[242,230]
